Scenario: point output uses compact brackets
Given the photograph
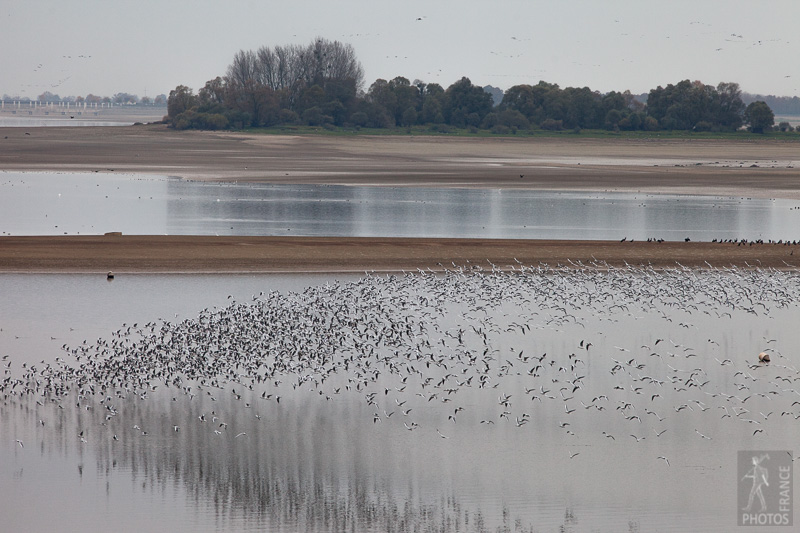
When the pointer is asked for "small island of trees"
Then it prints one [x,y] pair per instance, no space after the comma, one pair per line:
[322,84]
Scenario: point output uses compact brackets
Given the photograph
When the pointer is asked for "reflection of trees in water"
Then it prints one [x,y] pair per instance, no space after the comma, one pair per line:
[383,345]
[277,476]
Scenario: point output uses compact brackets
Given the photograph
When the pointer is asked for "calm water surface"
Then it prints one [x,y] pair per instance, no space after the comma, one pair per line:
[536,401]
[42,122]
[54,204]
[487,365]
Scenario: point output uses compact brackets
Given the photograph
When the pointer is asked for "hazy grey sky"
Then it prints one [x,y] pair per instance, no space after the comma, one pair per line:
[76,47]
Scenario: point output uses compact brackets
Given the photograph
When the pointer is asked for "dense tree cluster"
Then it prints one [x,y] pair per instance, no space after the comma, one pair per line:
[759,116]
[549,107]
[695,106]
[317,84]
[322,84]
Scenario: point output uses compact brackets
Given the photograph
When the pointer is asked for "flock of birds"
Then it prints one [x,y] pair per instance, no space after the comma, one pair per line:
[531,347]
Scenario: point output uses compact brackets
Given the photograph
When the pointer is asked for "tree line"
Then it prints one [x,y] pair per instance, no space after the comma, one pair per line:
[781,105]
[48,97]
[322,84]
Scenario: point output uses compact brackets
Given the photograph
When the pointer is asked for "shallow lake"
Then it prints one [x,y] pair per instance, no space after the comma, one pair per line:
[63,121]
[468,401]
[54,204]
[536,400]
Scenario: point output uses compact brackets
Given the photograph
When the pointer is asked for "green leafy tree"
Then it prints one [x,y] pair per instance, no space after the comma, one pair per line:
[359,118]
[676,107]
[313,96]
[491,120]
[462,99]
[538,102]
[759,116]
[336,110]
[181,98]
[212,93]
[342,90]
[552,124]
[409,116]
[613,119]
[256,101]
[377,116]
[314,116]
[520,98]
[728,106]
[695,106]
[553,101]
[432,95]
[582,108]
[406,96]
[382,96]
[512,119]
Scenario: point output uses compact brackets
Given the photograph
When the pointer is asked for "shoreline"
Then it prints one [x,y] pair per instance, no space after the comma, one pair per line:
[724,168]
[744,168]
[243,255]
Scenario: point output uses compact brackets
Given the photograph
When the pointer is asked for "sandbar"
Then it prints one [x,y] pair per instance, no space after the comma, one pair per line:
[723,168]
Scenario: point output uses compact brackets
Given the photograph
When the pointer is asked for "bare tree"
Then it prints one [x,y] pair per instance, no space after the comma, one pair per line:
[325,60]
[287,73]
[277,68]
[283,66]
[243,69]
[342,64]
[267,67]
[287,57]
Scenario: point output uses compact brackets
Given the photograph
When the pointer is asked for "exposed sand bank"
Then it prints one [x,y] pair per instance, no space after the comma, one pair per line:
[762,168]
[159,253]
[742,168]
